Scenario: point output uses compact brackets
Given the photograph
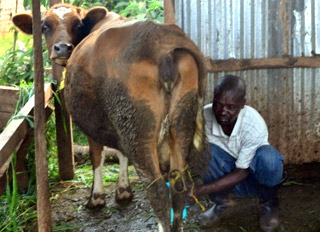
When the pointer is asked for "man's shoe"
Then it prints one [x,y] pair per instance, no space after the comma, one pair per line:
[215,213]
[269,216]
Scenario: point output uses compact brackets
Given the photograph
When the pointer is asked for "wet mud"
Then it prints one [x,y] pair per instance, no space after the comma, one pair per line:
[299,209]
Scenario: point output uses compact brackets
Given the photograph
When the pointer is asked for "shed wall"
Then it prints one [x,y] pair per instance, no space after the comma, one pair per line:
[288,99]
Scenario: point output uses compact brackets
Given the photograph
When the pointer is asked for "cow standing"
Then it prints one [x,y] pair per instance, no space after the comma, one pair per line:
[137,87]
[64,26]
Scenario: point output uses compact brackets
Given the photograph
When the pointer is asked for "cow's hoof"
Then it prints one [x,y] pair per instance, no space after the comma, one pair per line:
[96,201]
[124,195]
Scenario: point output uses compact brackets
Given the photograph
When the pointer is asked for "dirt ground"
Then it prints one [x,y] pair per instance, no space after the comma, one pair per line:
[299,208]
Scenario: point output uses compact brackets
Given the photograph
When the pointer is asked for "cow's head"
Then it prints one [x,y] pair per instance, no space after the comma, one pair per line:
[63,26]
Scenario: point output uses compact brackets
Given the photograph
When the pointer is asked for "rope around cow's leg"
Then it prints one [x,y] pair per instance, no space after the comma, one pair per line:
[177,175]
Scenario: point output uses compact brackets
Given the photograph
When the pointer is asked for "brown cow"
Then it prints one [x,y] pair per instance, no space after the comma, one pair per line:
[139,87]
[64,26]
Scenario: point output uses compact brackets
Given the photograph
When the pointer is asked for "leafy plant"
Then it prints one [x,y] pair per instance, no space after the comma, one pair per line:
[28,3]
[150,9]
[17,64]
[138,9]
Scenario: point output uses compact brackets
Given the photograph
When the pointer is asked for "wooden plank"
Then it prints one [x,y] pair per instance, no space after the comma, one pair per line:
[264,63]
[22,172]
[8,94]
[8,88]
[4,117]
[169,11]
[14,133]
[8,107]
[8,99]
[43,193]
[22,176]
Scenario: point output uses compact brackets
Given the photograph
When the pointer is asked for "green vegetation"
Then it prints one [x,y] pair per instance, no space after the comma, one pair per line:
[16,64]
[138,9]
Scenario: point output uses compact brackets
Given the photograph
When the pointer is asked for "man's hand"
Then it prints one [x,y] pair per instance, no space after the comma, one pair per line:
[199,191]
[196,192]
[221,184]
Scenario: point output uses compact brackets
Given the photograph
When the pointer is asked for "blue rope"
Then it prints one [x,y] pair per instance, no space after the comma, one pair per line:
[185,209]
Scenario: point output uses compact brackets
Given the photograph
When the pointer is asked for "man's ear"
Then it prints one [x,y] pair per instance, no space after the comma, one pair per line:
[23,22]
[93,16]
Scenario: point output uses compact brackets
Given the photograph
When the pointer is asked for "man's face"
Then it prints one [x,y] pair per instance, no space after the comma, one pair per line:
[226,107]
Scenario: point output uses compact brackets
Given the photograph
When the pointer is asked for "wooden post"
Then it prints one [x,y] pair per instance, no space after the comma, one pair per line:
[43,195]
[169,12]
[63,131]
[63,127]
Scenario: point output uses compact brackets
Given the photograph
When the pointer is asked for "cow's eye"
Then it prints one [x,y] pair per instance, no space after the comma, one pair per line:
[45,28]
[77,26]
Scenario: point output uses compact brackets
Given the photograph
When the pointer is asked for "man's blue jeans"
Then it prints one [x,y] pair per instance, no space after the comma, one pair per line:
[266,169]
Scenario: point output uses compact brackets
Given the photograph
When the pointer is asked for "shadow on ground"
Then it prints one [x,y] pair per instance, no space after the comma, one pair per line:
[299,208]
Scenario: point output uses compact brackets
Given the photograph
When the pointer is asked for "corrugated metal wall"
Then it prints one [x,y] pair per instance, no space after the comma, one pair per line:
[288,99]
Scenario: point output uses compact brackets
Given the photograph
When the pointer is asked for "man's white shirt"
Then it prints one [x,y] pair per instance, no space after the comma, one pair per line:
[249,133]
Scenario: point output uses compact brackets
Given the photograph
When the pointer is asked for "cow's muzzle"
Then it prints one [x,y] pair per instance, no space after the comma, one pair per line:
[61,53]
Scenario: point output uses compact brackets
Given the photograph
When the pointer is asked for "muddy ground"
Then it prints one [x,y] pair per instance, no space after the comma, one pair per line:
[299,209]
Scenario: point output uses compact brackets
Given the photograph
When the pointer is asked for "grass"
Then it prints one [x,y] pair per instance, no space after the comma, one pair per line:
[84,175]
[16,210]
[65,228]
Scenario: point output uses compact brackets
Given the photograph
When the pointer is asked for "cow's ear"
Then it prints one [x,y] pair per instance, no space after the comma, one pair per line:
[93,16]
[23,22]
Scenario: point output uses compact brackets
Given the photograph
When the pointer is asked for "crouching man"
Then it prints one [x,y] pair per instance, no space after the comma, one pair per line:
[242,160]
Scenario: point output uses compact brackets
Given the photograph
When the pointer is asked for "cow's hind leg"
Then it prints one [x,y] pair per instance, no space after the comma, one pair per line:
[97,198]
[183,116]
[148,170]
[123,192]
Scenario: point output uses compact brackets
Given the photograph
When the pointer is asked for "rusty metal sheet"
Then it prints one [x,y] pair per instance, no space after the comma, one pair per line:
[288,99]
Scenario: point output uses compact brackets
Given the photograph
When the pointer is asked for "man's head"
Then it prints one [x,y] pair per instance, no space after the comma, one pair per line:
[229,98]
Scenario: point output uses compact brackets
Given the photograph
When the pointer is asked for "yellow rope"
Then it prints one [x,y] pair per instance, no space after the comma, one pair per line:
[173,180]
[154,181]
[61,86]
[193,196]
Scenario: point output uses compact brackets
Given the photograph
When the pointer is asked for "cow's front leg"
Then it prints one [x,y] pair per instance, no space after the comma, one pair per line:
[97,198]
[123,192]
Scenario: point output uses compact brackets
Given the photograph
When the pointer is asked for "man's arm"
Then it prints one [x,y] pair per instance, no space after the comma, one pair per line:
[223,183]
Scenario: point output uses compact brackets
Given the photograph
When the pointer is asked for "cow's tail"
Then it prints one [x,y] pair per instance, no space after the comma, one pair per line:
[197,157]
